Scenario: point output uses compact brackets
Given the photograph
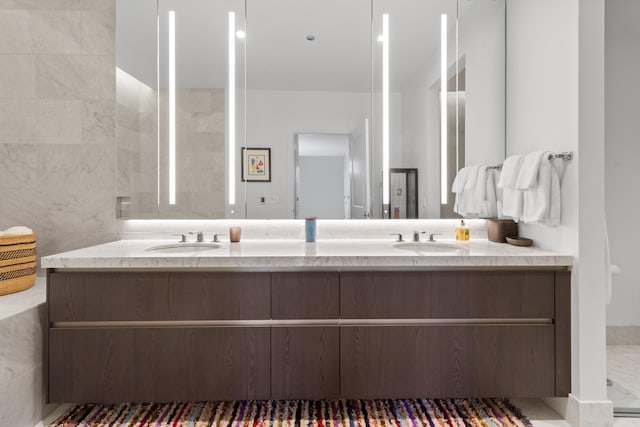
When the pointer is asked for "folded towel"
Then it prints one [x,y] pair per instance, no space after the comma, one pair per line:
[542,202]
[528,175]
[16,231]
[510,171]
[512,199]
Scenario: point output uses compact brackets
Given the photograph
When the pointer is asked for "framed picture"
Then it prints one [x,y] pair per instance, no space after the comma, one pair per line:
[256,164]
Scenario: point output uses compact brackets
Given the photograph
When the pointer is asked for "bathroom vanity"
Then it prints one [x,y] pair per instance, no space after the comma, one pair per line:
[289,320]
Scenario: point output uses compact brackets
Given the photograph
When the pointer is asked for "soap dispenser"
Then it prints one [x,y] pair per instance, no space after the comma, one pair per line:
[462,232]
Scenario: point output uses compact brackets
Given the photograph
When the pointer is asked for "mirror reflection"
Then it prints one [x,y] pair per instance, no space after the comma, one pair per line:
[346,97]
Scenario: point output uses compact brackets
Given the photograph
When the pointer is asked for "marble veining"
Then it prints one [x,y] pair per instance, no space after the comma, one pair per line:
[271,254]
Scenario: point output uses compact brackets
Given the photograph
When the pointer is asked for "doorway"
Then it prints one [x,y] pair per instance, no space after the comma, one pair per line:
[323,182]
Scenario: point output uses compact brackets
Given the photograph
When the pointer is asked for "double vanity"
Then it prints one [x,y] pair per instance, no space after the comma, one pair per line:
[285,319]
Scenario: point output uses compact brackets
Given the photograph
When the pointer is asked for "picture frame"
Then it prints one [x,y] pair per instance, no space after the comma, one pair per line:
[256,164]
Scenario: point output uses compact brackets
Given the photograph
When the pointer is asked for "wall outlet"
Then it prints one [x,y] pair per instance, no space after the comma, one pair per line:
[262,200]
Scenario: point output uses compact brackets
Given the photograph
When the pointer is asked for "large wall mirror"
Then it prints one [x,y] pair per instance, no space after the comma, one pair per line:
[295,108]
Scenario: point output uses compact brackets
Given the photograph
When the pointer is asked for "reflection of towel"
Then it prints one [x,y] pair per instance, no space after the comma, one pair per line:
[512,199]
[476,195]
[491,197]
[528,175]
[458,188]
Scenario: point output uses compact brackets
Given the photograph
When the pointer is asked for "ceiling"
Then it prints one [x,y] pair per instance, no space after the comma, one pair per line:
[278,54]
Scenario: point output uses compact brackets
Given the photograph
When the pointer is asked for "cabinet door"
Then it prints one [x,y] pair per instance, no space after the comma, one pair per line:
[305,295]
[447,361]
[158,364]
[126,296]
[305,362]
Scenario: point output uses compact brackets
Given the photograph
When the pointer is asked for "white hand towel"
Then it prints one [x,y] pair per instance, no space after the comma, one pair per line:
[512,199]
[510,171]
[528,175]
[542,203]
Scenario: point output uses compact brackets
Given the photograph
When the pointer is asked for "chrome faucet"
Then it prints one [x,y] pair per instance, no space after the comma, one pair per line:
[416,235]
[215,238]
[199,236]
[400,239]
[431,239]
[183,238]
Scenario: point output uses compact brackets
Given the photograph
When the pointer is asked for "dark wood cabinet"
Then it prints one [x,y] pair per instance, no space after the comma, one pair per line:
[447,361]
[305,362]
[139,296]
[447,294]
[185,335]
[305,295]
[158,364]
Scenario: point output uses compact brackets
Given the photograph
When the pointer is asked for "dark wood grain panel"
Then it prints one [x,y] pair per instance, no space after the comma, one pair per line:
[305,363]
[305,295]
[446,361]
[563,333]
[158,364]
[447,294]
[158,296]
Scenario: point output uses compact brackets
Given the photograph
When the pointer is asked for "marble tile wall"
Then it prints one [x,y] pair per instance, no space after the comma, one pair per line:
[57,120]
[57,159]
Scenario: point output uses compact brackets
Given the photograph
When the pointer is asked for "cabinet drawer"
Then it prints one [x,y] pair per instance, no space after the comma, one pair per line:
[158,296]
[306,295]
[447,295]
[447,361]
[158,364]
[305,363]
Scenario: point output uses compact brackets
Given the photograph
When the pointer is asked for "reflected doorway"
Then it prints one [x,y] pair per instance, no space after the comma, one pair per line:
[403,188]
[323,176]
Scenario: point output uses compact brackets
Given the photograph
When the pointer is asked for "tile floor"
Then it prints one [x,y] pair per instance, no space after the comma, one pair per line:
[623,368]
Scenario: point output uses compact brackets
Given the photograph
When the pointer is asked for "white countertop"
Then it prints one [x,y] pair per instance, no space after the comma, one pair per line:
[275,254]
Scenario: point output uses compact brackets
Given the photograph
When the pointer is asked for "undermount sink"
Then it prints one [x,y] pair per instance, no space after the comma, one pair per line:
[429,246]
[184,247]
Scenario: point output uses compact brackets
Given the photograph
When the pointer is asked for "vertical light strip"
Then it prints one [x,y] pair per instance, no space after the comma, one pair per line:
[172,107]
[385,109]
[231,167]
[158,104]
[367,169]
[444,190]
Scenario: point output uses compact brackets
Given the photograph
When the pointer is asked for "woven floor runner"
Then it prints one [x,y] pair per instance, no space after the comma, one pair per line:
[318,413]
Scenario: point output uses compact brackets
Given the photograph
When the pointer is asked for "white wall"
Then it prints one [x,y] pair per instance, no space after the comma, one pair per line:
[622,151]
[555,98]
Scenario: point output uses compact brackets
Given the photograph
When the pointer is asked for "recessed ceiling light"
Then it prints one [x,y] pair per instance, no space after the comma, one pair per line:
[241,34]
[311,37]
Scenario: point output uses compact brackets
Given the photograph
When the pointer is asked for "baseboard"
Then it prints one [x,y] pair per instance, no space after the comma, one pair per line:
[583,413]
[623,335]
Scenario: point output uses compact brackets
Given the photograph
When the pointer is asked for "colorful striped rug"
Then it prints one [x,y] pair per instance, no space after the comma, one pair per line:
[316,413]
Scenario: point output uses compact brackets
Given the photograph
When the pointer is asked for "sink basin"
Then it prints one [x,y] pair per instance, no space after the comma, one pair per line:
[184,247]
[429,246]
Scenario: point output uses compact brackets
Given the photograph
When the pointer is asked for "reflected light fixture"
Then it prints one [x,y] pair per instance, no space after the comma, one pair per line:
[232,108]
[385,109]
[172,107]
[443,111]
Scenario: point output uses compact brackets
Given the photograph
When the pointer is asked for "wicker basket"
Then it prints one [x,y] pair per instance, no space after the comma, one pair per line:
[17,263]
